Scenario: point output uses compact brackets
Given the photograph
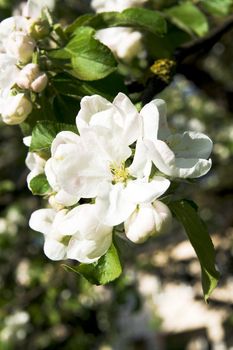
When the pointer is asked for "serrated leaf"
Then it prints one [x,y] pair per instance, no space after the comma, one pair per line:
[90,59]
[139,18]
[39,185]
[201,242]
[105,270]
[44,133]
[188,17]
[217,7]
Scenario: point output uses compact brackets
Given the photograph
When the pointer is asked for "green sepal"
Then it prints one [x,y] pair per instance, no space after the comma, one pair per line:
[105,270]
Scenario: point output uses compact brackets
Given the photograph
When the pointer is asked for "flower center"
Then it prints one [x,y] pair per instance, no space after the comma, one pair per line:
[120,173]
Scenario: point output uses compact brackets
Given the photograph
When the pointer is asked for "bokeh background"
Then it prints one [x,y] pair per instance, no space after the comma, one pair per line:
[157,303]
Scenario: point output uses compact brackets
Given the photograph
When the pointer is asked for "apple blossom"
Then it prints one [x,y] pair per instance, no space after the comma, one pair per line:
[14,39]
[75,234]
[94,163]
[21,46]
[125,43]
[15,109]
[115,5]
[30,77]
[176,155]
[148,220]
[33,8]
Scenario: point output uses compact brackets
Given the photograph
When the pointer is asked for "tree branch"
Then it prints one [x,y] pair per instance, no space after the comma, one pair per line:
[155,85]
[203,44]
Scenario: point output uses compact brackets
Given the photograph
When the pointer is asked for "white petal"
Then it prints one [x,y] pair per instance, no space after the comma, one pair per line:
[50,175]
[95,110]
[80,171]
[8,71]
[131,121]
[154,120]
[163,217]
[141,165]
[88,251]
[140,225]
[148,220]
[125,43]
[64,137]
[115,207]
[65,199]
[54,250]
[27,141]
[191,144]
[161,155]
[191,168]
[84,222]
[33,8]
[141,191]
[42,220]
[11,24]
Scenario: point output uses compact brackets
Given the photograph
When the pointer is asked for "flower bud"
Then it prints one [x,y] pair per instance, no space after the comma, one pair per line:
[39,29]
[21,46]
[30,77]
[146,221]
[15,109]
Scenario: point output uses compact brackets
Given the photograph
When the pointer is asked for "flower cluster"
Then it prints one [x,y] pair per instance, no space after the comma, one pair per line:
[20,77]
[125,43]
[113,173]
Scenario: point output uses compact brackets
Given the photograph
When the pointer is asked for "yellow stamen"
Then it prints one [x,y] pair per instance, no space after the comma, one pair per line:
[120,173]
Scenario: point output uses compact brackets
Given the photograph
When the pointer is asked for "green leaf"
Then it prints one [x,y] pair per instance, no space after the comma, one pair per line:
[39,185]
[217,7]
[139,18]
[90,59]
[44,133]
[164,47]
[108,87]
[66,108]
[201,242]
[189,18]
[105,270]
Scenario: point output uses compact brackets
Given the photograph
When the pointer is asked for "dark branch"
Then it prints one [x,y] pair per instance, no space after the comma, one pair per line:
[155,85]
[203,44]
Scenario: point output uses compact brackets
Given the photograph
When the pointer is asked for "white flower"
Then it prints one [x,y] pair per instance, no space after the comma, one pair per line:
[14,39]
[148,220]
[125,43]
[21,46]
[30,77]
[15,109]
[76,234]
[33,8]
[94,163]
[115,5]
[176,155]
[33,161]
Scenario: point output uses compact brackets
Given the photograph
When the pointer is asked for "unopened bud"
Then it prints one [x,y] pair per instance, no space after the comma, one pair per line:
[146,221]
[39,29]
[15,109]
[30,77]
[21,46]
